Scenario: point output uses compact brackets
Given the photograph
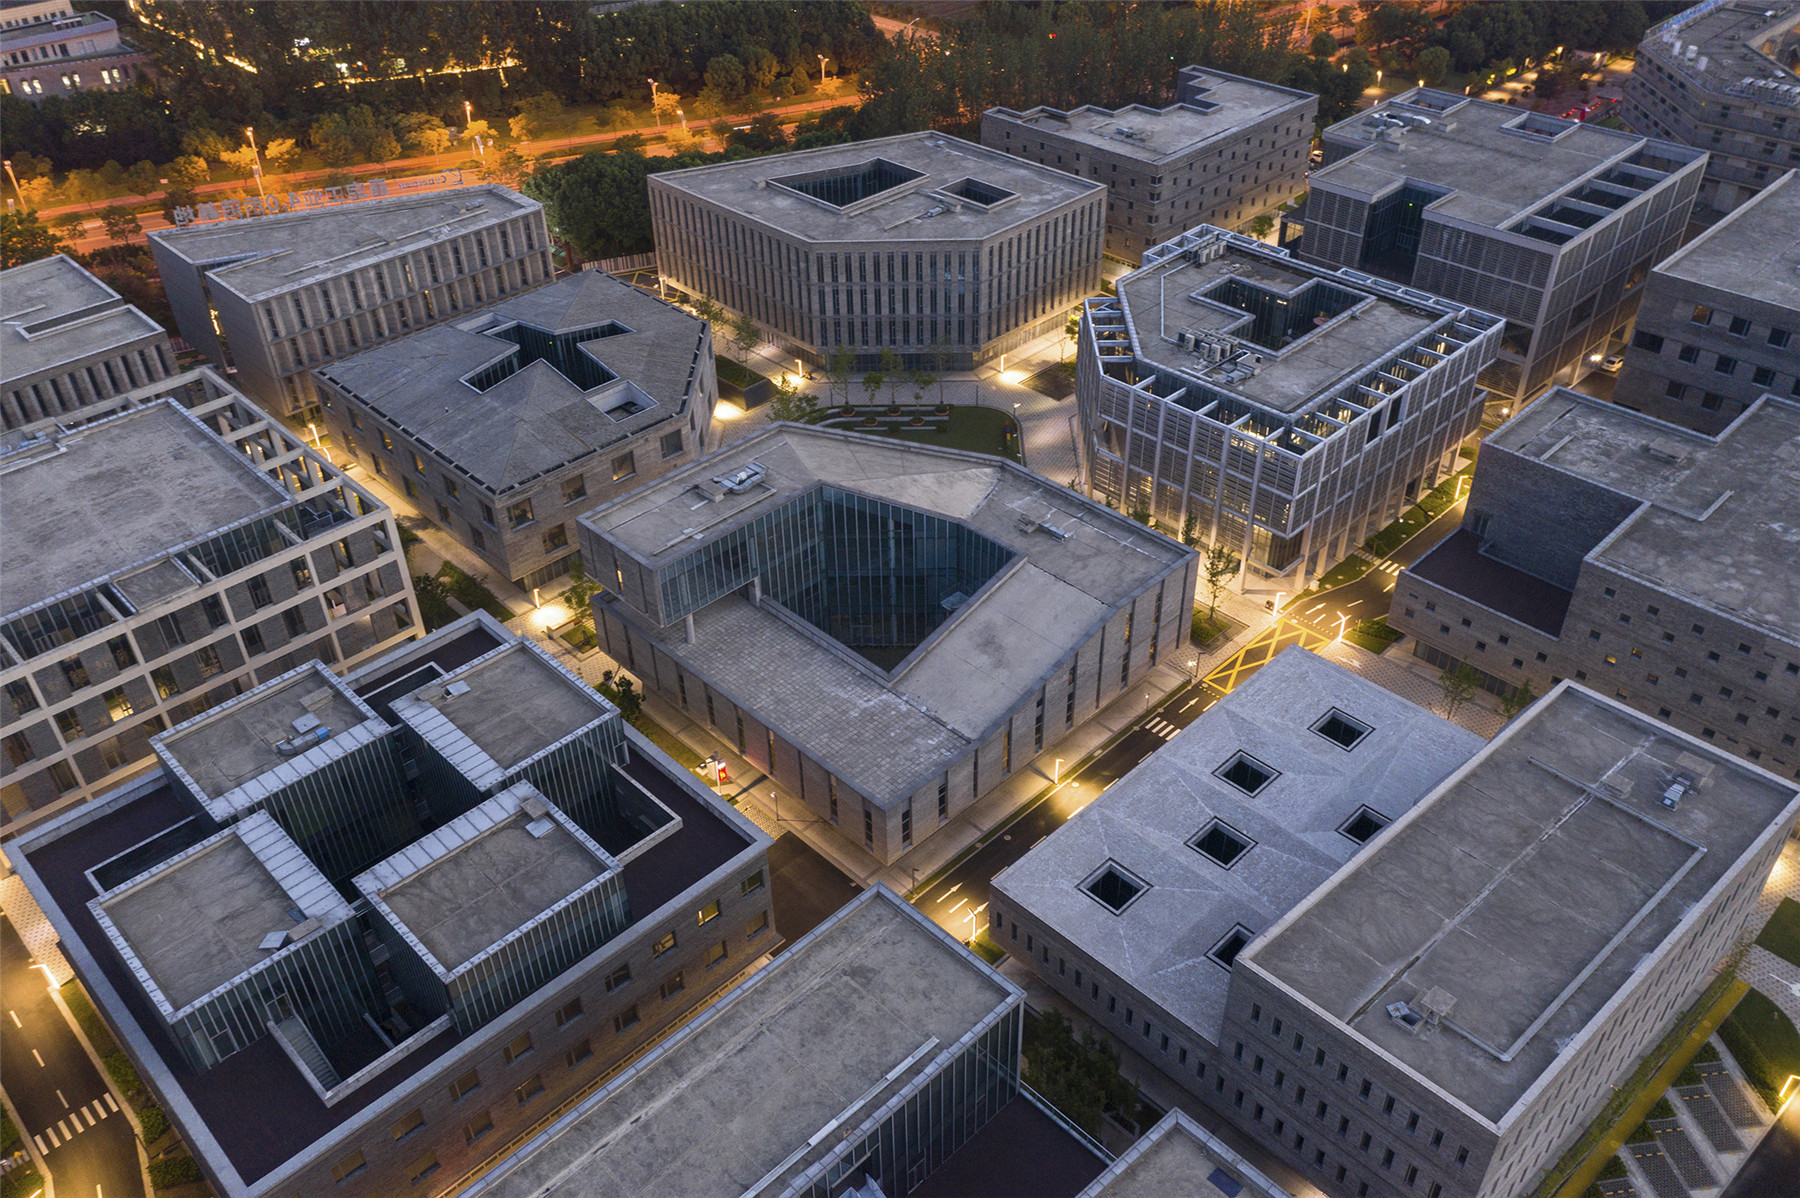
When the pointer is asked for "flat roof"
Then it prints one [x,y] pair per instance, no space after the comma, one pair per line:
[1159,304]
[197,922]
[1731,36]
[1548,861]
[850,1017]
[883,733]
[1145,821]
[53,312]
[1180,1157]
[486,874]
[902,213]
[1160,135]
[1494,174]
[512,703]
[268,255]
[117,493]
[1718,523]
[1754,252]
[536,419]
[222,749]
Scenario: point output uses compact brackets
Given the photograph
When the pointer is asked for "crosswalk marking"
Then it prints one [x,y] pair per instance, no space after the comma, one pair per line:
[71,1125]
[89,1116]
[111,1105]
[1162,728]
[40,1144]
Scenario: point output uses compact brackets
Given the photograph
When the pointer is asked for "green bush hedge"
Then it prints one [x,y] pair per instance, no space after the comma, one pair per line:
[1764,1042]
[174,1171]
[155,1122]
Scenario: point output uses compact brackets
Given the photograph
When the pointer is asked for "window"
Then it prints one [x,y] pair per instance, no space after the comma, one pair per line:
[664,944]
[757,926]
[569,1011]
[556,537]
[517,1048]
[1740,326]
[518,515]
[1725,365]
[295,620]
[1246,773]
[1701,314]
[409,1123]
[1779,338]
[1364,824]
[578,1054]
[1647,341]
[624,466]
[467,1084]
[671,444]
[422,1168]
[1689,353]
[574,489]
[1226,950]
[530,1089]
[752,883]
[1341,729]
[626,1019]
[118,705]
[349,1167]
[619,977]
[1113,887]
[709,913]
[671,986]
[1221,842]
[477,1127]
[714,954]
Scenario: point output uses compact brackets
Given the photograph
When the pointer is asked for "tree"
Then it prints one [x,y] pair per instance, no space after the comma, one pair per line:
[725,75]
[23,238]
[1520,698]
[872,383]
[141,179]
[665,105]
[578,596]
[434,600]
[596,203]
[1433,65]
[243,158]
[1217,569]
[205,142]
[892,372]
[539,116]
[681,141]
[1190,532]
[1323,45]
[790,403]
[707,309]
[760,68]
[120,222]
[838,365]
[189,170]
[475,129]
[1459,683]
[920,379]
[744,333]
[1080,1078]
[1140,511]
[281,154]
[1262,225]
[618,687]
[421,133]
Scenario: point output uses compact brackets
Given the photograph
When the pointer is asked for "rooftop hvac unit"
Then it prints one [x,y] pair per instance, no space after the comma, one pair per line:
[742,479]
[459,687]
[293,746]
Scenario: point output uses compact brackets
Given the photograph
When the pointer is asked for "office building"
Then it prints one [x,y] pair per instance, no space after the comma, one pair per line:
[1640,559]
[175,550]
[1552,224]
[504,425]
[359,935]
[49,49]
[1721,76]
[1178,1156]
[1719,325]
[68,341]
[887,630]
[1281,410]
[857,1062]
[1229,150]
[269,297]
[939,250]
[1133,910]
[1448,1013]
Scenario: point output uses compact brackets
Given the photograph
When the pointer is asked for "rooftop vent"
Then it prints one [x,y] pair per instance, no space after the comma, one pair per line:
[1409,1019]
[459,687]
[540,828]
[534,807]
[1677,790]
[1665,450]
[293,746]
[305,723]
[742,479]
[954,600]
[272,941]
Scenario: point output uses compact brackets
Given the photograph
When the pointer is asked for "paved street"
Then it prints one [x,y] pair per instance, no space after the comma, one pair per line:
[1773,1170]
[63,1102]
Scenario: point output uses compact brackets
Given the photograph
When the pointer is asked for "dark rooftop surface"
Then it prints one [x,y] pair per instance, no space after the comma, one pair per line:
[255,1103]
[1021,1153]
[1457,564]
[446,657]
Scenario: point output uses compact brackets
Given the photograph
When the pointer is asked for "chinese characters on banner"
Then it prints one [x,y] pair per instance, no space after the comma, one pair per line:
[312,197]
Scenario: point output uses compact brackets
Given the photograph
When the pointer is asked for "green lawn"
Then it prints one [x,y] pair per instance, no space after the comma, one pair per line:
[1781,936]
[1205,630]
[974,428]
[667,741]
[1764,1042]
[471,593]
[738,376]
[92,1026]
[1436,502]
[1373,635]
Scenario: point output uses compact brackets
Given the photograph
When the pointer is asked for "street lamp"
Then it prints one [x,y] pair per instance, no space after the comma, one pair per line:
[1194,668]
[683,116]
[1056,772]
[1343,620]
[256,163]
[822,61]
[468,114]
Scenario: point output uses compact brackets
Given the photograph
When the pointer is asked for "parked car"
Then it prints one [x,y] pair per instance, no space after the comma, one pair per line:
[1612,362]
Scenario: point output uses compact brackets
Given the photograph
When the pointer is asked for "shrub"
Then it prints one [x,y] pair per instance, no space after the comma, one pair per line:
[123,1073]
[156,1124]
[174,1171]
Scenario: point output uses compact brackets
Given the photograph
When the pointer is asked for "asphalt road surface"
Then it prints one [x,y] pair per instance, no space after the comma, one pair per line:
[1773,1170]
[61,1098]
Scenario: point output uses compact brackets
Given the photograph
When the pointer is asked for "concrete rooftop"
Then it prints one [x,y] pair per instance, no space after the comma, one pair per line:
[884,734]
[196,922]
[897,215]
[53,311]
[1178,1158]
[1515,888]
[1159,304]
[1719,526]
[267,255]
[465,887]
[1494,174]
[1754,252]
[1166,134]
[1728,34]
[536,419]
[126,490]
[809,1045]
[1145,820]
[517,703]
[228,746]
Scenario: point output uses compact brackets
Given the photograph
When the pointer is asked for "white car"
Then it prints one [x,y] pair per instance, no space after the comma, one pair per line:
[1612,362]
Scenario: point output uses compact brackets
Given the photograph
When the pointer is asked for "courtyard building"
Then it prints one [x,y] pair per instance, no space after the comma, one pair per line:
[1634,557]
[49,49]
[1281,410]
[1721,76]
[1719,324]
[888,630]
[1227,151]
[503,425]
[269,297]
[1551,224]
[1178,1156]
[937,250]
[358,933]
[173,551]
[68,341]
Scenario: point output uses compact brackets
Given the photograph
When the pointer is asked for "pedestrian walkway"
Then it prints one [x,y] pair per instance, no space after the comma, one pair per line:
[1408,684]
[33,927]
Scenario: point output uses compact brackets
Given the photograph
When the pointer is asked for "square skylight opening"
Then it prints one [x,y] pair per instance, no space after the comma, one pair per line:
[975,191]
[1114,887]
[1363,825]
[1247,773]
[1227,949]
[1221,842]
[1346,732]
[844,186]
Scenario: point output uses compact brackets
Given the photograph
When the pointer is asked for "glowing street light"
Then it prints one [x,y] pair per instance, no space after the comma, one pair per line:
[1343,620]
[822,61]
[256,163]
[1056,772]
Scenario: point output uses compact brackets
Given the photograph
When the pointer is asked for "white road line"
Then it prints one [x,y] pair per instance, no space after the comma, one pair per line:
[110,1102]
[90,1117]
[54,1142]
[950,892]
[1315,607]
[40,1060]
[1190,702]
[99,1110]
[61,1099]
[40,1143]
[958,907]
[15,1018]
[1352,603]
[67,1134]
